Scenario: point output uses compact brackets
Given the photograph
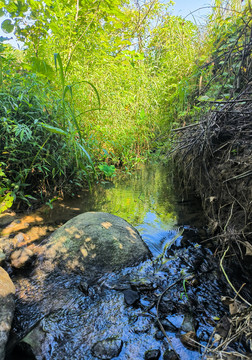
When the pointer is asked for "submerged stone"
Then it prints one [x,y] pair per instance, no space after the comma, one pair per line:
[152,354]
[188,323]
[170,355]
[107,349]
[131,297]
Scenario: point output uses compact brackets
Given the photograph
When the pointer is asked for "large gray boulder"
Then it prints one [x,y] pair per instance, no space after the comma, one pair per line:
[94,243]
[83,250]
[7,306]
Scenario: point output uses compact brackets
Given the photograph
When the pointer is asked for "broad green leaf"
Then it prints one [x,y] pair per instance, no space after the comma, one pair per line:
[6,202]
[7,26]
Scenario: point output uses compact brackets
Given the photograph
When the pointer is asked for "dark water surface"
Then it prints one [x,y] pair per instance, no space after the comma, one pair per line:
[147,201]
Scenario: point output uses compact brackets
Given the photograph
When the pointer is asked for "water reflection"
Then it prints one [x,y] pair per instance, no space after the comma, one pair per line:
[145,199]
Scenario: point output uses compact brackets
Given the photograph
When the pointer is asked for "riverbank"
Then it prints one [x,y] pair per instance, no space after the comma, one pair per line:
[213,159]
[180,287]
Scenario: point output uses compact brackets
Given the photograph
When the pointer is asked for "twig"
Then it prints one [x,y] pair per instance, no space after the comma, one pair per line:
[227,278]
[159,323]
[185,127]
[240,176]
[228,101]
[230,216]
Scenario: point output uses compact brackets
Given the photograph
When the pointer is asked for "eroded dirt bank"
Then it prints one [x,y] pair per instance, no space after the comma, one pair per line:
[214,161]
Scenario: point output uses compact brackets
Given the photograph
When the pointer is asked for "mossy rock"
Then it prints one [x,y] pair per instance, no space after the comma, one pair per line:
[94,243]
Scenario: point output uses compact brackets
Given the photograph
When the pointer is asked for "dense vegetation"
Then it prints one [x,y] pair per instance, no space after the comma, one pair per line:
[99,85]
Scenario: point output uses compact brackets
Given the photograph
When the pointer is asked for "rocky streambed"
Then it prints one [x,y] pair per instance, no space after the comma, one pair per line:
[78,300]
[152,291]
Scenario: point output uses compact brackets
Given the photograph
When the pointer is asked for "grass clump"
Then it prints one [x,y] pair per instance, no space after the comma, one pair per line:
[34,162]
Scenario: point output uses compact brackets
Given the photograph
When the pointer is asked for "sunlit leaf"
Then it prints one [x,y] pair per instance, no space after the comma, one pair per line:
[7,26]
[54,129]
[6,202]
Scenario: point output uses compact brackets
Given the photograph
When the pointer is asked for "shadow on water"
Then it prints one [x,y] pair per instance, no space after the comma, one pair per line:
[81,318]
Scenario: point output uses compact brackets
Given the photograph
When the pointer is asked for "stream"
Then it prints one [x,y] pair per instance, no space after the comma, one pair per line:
[179,287]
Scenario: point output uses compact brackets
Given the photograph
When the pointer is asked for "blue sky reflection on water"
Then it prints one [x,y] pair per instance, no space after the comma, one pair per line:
[157,234]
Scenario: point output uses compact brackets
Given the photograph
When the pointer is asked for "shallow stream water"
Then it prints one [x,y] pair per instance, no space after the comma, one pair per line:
[171,230]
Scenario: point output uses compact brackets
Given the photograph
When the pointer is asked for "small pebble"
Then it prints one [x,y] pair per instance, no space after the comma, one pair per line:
[131,297]
[152,354]
[107,349]
[159,335]
[170,355]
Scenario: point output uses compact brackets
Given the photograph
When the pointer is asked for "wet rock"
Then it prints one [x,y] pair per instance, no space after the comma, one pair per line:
[188,340]
[152,354]
[2,257]
[143,284]
[7,306]
[84,287]
[107,349]
[6,219]
[142,325]
[159,335]
[170,355]
[20,237]
[167,325]
[94,243]
[22,351]
[21,258]
[31,343]
[131,297]
[188,323]
[168,306]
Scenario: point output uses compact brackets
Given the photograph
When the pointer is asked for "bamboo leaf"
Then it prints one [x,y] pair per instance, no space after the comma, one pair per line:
[68,88]
[86,153]
[54,129]
[57,60]
[94,88]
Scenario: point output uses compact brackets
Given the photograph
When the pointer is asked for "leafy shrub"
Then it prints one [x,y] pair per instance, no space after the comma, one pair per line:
[34,162]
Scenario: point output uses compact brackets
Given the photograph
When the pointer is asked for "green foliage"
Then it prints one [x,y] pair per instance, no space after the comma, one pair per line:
[35,162]
[107,170]
[7,26]
[227,36]
[126,74]
[6,201]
